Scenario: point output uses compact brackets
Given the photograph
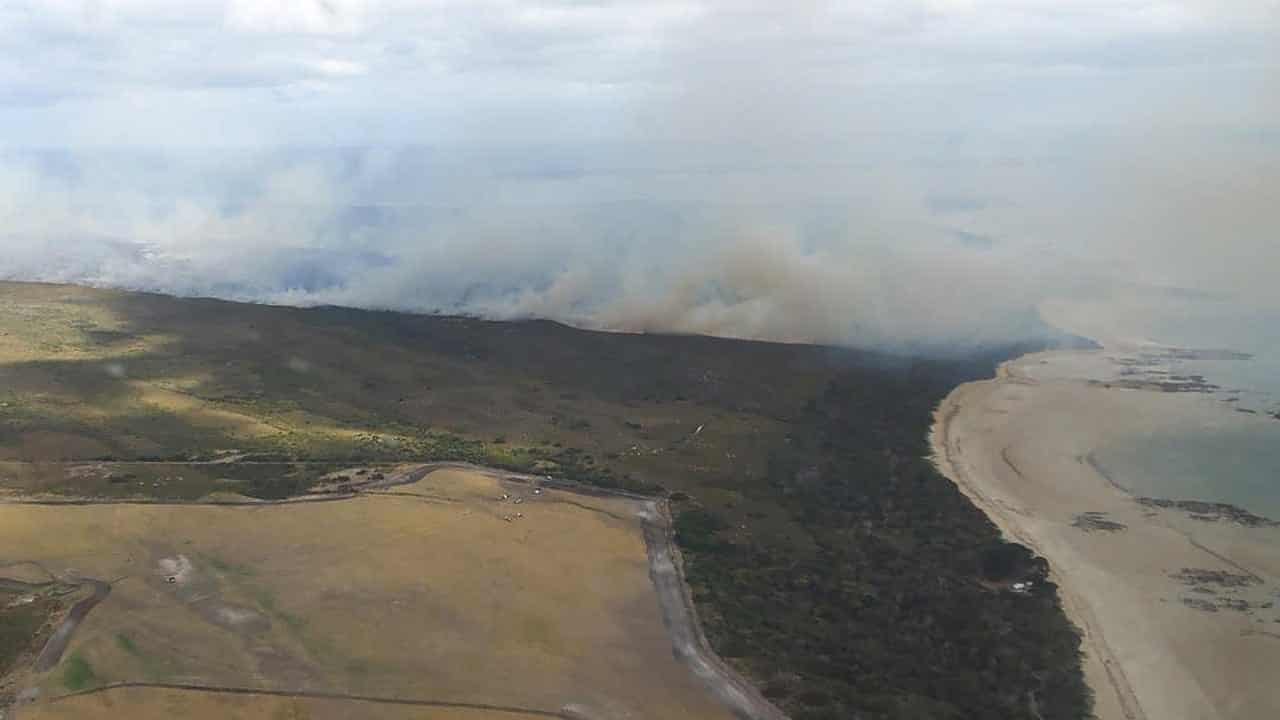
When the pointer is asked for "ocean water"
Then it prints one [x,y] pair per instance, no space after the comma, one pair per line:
[1230,453]
[1240,466]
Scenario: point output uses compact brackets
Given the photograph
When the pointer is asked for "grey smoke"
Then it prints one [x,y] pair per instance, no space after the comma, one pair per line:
[628,249]
[897,174]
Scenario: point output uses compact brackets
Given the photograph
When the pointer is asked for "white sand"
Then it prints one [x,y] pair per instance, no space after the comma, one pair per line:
[1018,446]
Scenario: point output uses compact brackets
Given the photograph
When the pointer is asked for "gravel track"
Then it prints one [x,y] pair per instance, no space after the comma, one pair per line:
[666,569]
[57,643]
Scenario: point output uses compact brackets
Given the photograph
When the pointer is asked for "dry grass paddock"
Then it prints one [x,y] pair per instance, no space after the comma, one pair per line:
[441,590]
[161,704]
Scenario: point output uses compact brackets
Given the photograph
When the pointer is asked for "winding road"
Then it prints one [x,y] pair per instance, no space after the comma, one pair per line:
[57,643]
[666,569]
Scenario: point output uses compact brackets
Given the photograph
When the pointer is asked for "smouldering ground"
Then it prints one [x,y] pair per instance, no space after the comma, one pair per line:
[438,591]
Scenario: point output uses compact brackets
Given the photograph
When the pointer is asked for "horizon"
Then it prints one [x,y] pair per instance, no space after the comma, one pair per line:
[895,175]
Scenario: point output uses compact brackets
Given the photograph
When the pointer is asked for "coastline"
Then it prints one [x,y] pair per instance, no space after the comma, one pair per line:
[1176,612]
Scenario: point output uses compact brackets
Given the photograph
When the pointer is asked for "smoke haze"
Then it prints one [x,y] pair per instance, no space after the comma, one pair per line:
[900,174]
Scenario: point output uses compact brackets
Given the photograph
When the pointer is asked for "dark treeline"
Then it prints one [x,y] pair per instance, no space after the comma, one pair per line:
[896,603]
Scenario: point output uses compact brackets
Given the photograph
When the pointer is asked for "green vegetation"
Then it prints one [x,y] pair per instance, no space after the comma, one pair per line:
[126,644]
[829,561]
[77,673]
[19,625]
[696,531]
[153,668]
[892,610]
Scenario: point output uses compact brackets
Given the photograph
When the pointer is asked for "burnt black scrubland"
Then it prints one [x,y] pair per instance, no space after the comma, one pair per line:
[829,561]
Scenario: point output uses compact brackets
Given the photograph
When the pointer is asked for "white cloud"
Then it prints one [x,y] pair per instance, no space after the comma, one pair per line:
[318,17]
[337,68]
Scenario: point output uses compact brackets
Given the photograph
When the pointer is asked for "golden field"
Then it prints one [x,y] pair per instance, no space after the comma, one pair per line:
[436,591]
[162,704]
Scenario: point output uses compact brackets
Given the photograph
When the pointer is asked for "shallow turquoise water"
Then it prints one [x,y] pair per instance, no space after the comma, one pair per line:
[1221,461]
[1240,466]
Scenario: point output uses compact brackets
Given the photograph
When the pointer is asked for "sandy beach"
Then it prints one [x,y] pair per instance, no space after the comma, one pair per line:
[1177,612]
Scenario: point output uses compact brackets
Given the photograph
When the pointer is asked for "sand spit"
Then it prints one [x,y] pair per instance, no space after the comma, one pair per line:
[1178,613]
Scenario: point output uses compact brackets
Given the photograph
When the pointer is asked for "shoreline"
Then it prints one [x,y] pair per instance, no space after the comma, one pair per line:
[1098,662]
[1156,642]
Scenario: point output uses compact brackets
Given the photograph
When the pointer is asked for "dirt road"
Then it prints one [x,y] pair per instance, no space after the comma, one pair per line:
[687,640]
[57,644]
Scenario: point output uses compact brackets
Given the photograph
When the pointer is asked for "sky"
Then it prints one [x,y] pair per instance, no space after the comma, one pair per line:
[892,173]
